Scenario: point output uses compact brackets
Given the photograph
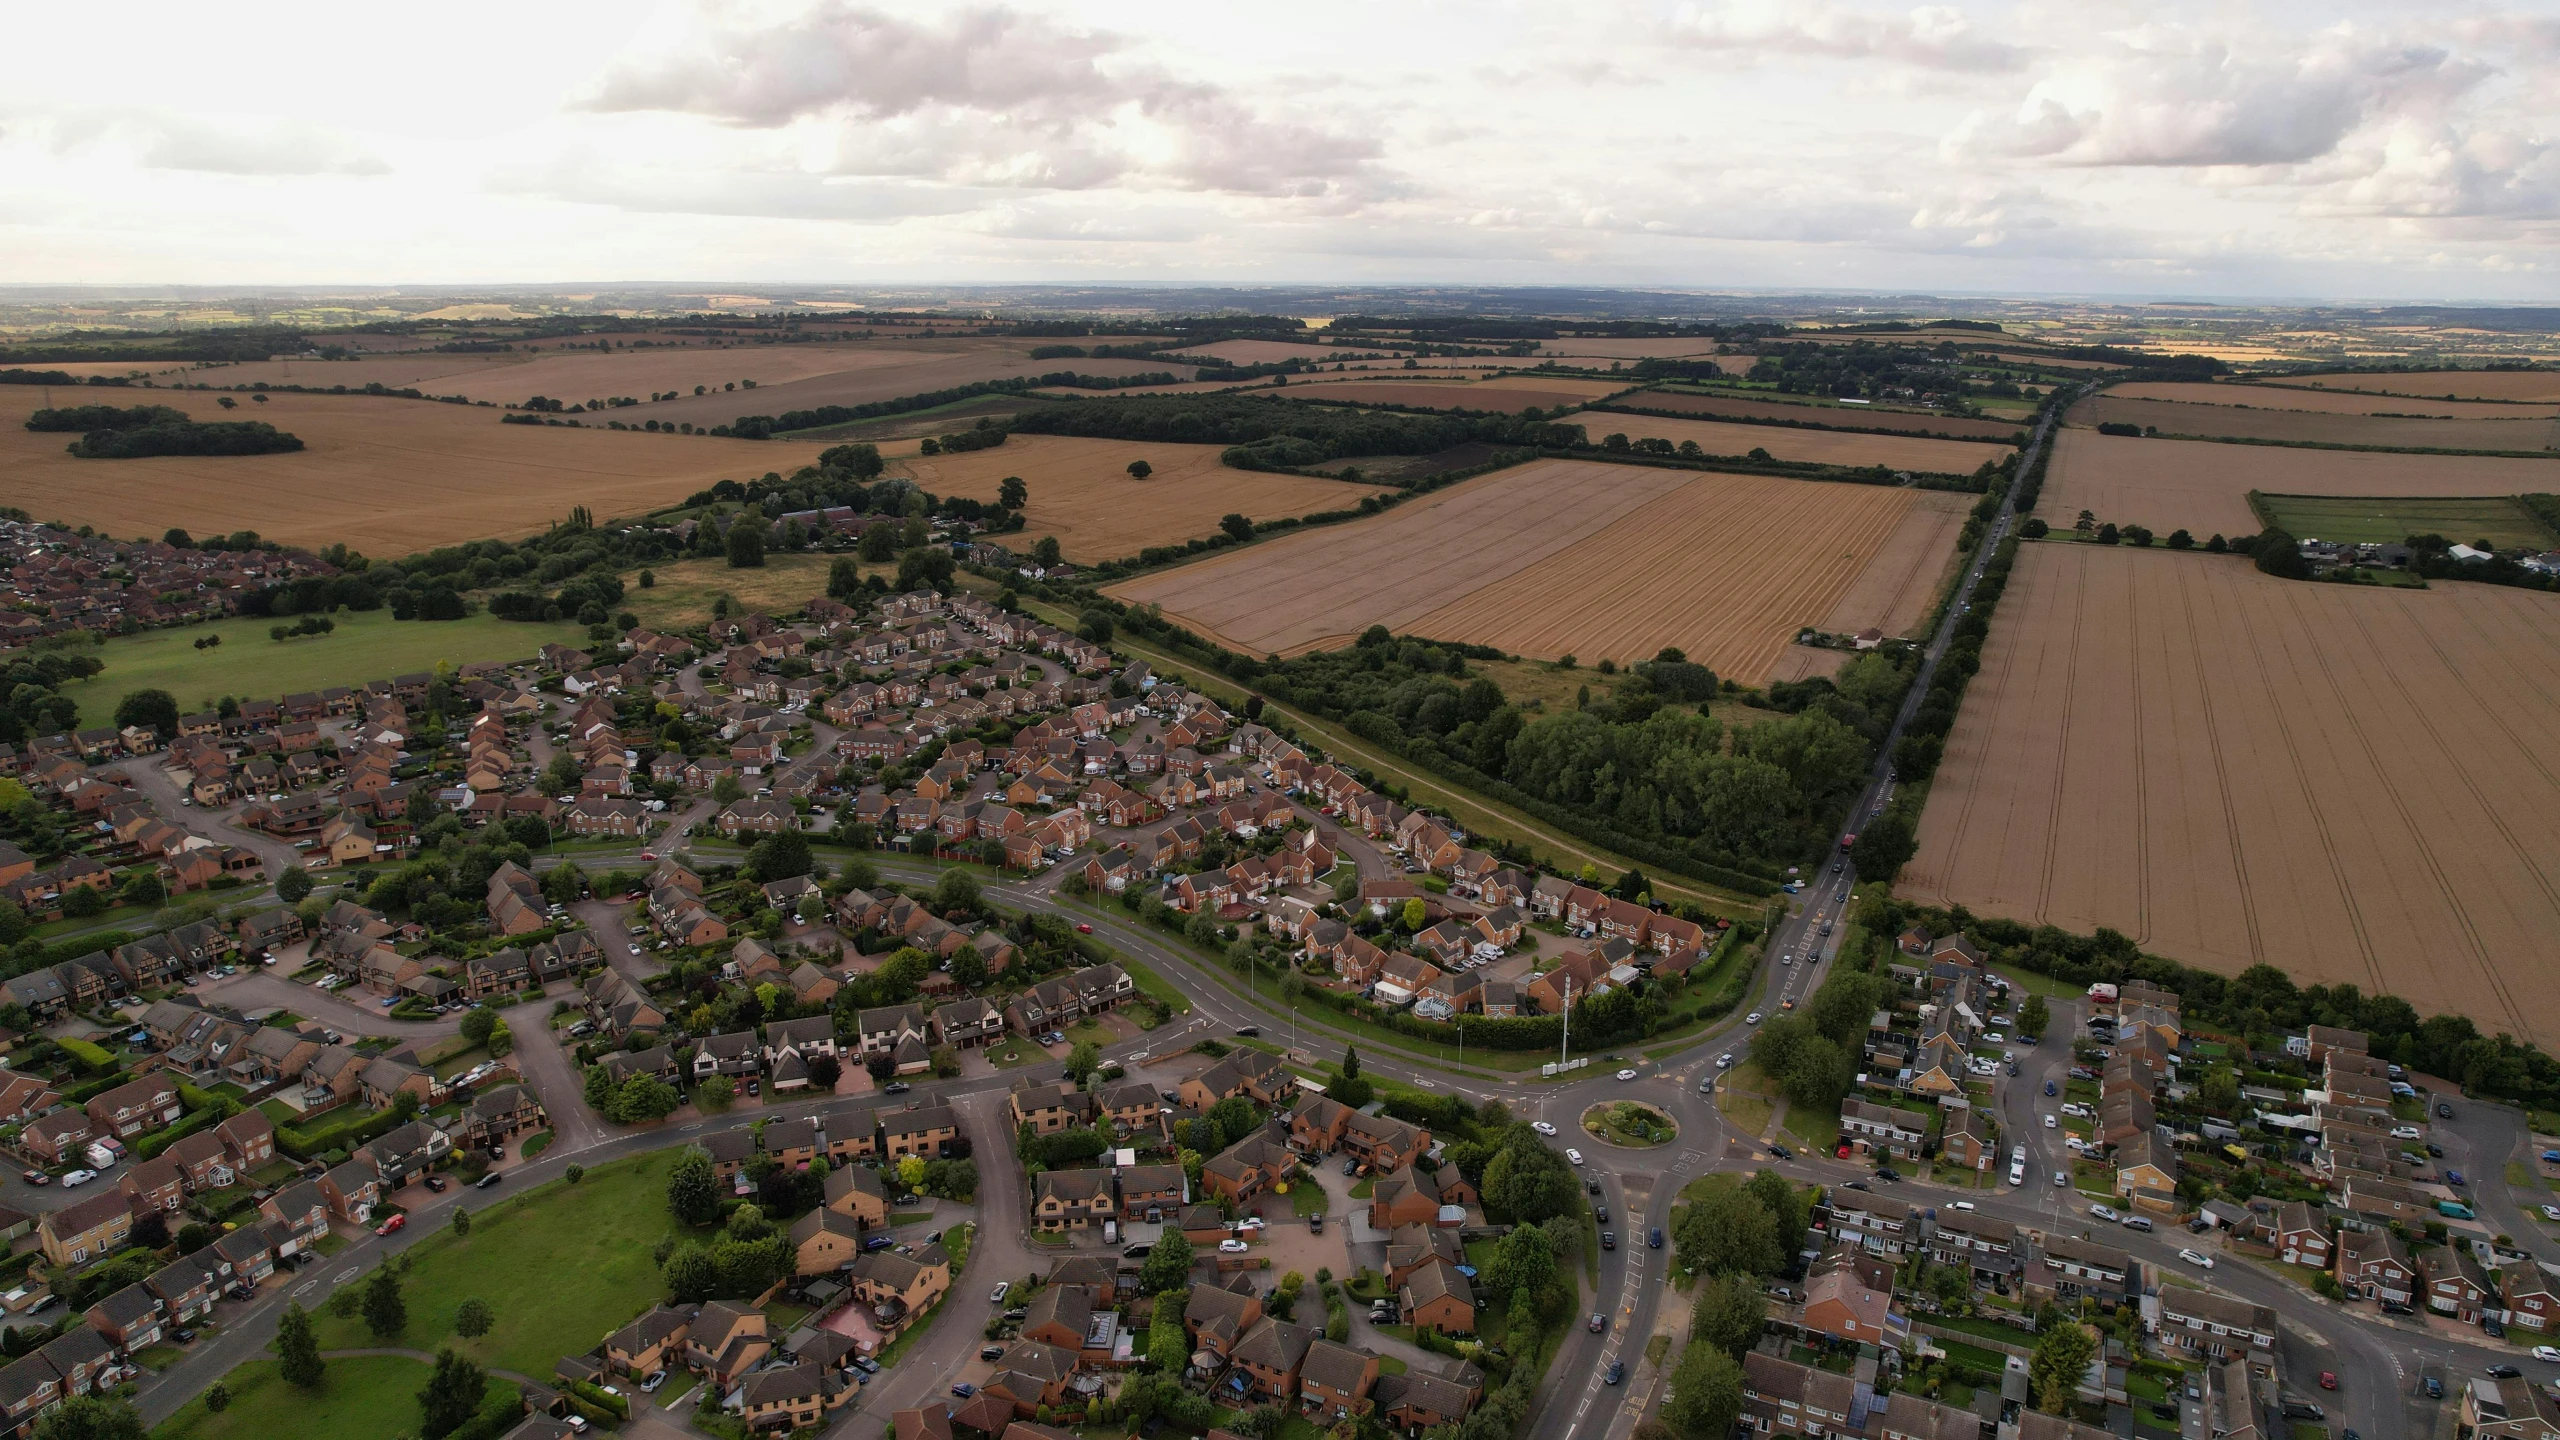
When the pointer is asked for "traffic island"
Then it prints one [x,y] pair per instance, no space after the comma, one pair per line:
[1629,1124]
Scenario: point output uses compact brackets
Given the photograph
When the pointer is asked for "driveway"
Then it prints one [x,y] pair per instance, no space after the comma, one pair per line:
[553,1073]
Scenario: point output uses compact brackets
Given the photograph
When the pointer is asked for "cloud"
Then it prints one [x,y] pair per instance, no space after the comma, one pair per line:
[2173,97]
[215,144]
[987,97]
[687,190]
[1935,37]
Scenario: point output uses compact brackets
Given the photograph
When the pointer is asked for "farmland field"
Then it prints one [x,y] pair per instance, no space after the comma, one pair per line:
[2532,386]
[1838,417]
[388,477]
[2351,783]
[2361,519]
[1558,557]
[1823,447]
[2171,417]
[579,375]
[1081,492]
[686,589]
[1506,392]
[2327,402]
[367,645]
[886,371]
[2203,487]
[1669,347]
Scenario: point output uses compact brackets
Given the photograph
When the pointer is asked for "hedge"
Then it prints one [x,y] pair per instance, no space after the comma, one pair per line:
[151,1145]
[306,1145]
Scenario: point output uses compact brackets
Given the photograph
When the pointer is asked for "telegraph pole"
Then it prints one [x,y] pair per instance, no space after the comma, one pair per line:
[1566,1054]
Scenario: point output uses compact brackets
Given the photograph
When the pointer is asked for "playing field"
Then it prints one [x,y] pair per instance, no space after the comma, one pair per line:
[1081,491]
[2200,486]
[2359,519]
[2329,402]
[1555,558]
[1821,447]
[1836,417]
[2306,427]
[2354,784]
[2531,386]
[367,645]
[386,476]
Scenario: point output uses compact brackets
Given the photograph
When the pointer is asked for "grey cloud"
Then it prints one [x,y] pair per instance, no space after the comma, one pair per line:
[990,97]
[1936,37]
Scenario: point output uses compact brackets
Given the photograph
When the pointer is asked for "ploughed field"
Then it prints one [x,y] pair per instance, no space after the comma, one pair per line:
[1821,447]
[2517,431]
[386,476]
[2529,386]
[2203,487]
[1837,417]
[1581,558]
[1080,491]
[2352,783]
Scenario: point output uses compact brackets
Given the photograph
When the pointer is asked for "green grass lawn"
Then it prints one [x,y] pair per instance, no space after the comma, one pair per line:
[1740,1096]
[2361,519]
[365,646]
[561,1265]
[1814,1128]
[1153,986]
[372,1397]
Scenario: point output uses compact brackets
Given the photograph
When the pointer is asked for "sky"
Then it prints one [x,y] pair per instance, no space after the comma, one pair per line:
[2315,151]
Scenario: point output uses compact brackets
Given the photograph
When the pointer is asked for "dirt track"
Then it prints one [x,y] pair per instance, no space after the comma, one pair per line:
[2357,785]
[2203,487]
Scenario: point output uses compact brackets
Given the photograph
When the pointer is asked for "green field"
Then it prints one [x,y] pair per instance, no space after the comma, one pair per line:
[562,1266]
[369,1397]
[366,646]
[2358,520]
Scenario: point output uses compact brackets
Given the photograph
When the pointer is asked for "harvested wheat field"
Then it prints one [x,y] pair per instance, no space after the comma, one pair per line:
[2537,387]
[1899,587]
[2354,784]
[2170,417]
[1803,662]
[1555,558]
[1511,393]
[1832,417]
[1081,491]
[2200,486]
[1820,447]
[1667,347]
[2325,402]
[386,476]
[889,370]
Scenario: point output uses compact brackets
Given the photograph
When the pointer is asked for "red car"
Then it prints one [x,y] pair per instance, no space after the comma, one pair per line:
[396,1222]
[1083,929]
[2328,1379]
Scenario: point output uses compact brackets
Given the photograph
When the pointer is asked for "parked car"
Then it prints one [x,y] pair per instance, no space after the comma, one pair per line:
[394,1224]
[38,1177]
[435,1184]
[485,1181]
[2050,1089]
[1003,1288]
[2104,1212]
[2503,1372]
[1782,1152]
[2548,1354]
[2443,1111]
[78,1177]
[964,1389]
[896,1087]
[1232,1247]
[990,1352]
[650,1385]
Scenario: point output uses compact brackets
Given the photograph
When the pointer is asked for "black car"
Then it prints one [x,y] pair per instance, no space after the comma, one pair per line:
[435,1184]
[1617,1371]
[896,1087]
[990,1352]
[485,1181]
[183,1337]
[1248,1032]
[1859,1185]
[1887,1174]
[1655,1239]
[1600,1213]
[2434,1150]
[2503,1372]
[1608,1239]
[1782,1152]
[2443,1111]
[1591,1185]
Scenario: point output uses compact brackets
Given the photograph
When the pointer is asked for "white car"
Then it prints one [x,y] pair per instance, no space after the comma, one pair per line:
[1751,1019]
[1626,1074]
[2049,1121]
[1249,1224]
[1570,1154]
[2406,1132]
[1542,1127]
[1003,1288]
[83,1177]
[2551,1213]
[2104,1212]
[1232,1247]
[1725,1061]
[2196,1258]
[1996,1038]
[2548,1354]
[1960,1205]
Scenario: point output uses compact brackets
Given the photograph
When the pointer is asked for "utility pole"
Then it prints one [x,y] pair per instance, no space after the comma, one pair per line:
[1566,1054]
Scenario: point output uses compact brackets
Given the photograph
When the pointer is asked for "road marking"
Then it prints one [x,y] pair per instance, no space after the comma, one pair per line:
[348,1274]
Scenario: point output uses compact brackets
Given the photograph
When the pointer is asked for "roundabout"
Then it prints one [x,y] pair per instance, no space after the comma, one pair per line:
[1629,1125]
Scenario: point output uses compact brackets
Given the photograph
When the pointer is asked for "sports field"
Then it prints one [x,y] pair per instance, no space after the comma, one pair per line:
[2498,519]
[1561,557]
[1821,447]
[367,645]
[1081,491]
[2351,783]
[387,477]
[2203,487]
